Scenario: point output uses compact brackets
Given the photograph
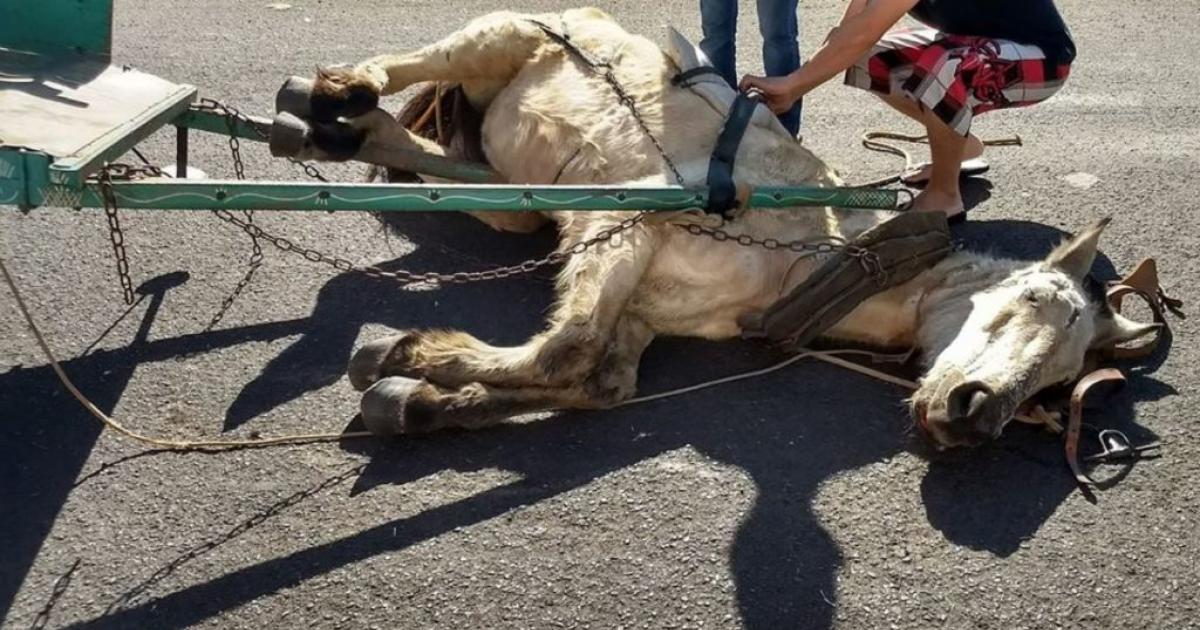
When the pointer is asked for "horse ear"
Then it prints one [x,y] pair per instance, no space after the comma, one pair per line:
[1075,256]
[1113,329]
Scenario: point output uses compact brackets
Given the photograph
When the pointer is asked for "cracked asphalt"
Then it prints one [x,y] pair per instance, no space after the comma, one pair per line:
[797,500]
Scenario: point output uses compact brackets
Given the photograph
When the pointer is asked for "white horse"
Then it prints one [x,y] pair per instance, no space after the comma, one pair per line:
[992,332]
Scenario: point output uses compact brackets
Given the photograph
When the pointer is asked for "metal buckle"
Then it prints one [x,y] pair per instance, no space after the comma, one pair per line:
[1116,446]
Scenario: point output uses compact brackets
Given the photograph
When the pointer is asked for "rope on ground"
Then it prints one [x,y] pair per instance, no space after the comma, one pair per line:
[146,439]
[833,357]
[874,141]
[829,356]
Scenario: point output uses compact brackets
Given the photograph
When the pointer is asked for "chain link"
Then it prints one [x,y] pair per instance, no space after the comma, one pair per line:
[604,68]
[232,117]
[255,232]
[625,99]
[115,234]
[411,277]
[868,259]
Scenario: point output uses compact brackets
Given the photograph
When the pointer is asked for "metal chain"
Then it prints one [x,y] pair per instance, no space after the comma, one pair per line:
[809,247]
[232,116]
[604,68]
[115,234]
[256,254]
[410,277]
[625,99]
[404,277]
[869,260]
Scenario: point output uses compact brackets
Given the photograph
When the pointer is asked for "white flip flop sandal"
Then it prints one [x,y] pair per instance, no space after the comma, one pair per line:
[919,174]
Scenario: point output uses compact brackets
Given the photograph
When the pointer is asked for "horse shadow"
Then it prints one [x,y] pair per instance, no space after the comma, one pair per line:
[788,432]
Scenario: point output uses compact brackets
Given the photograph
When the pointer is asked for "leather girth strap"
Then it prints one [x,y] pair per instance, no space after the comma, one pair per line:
[722,192]
[898,249]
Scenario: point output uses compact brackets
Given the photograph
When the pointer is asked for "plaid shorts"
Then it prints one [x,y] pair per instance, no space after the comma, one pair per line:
[957,76]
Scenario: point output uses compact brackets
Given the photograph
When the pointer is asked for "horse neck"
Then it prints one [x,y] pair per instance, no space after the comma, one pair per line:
[927,311]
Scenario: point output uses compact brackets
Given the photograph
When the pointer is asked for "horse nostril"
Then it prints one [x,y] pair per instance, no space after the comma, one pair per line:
[967,400]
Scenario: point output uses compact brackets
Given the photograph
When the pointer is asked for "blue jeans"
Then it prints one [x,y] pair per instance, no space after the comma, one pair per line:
[780,31]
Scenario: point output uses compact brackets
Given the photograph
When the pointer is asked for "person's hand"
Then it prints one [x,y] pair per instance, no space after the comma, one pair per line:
[777,92]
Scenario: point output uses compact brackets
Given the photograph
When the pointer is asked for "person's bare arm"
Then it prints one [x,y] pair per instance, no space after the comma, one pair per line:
[846,44]
[853,8]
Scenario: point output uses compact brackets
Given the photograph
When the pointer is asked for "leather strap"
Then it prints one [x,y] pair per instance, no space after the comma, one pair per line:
[1075,421]
[684,79]
[722,193]
[1143,282]
[903,247]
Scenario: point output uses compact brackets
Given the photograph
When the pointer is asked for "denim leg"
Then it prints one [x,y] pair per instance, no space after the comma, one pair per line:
[780,29]
[718,19]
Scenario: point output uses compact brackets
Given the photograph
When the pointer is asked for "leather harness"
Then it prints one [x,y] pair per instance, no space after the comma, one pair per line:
[722,191]
[896,251]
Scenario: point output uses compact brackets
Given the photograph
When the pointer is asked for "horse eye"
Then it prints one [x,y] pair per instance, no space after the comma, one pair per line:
[1030,297]
[1074,316]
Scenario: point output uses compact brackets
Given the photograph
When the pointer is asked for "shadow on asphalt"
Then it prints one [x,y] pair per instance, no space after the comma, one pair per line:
[789,431]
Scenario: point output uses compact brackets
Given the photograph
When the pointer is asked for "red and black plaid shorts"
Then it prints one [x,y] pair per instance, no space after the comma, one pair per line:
[956,76]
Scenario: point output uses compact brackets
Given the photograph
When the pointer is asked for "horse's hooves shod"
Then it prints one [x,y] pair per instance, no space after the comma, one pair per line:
[388,406]
[367,365]
[338,140]
[339,92]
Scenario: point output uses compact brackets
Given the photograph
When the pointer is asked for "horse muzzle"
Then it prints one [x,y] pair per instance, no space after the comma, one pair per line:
[968,414]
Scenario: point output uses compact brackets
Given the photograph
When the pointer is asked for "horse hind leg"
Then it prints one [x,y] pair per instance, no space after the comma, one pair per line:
[594,288]
[489,51]
[399,405]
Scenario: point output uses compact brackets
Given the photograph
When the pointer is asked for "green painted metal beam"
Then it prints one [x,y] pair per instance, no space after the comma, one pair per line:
[232,194]
[252,128]
[22,172]
[57,28]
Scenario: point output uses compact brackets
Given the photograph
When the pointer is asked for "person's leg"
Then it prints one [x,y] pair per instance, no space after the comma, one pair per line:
[780,29]
[946,145]
[972,148]
[718,19]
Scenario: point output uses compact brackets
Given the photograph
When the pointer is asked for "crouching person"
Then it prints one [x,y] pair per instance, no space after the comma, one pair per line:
[972,57]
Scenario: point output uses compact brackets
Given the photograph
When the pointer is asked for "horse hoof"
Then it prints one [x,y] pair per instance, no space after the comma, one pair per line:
[342,92]
[338,140]
[385,403]
[366,366]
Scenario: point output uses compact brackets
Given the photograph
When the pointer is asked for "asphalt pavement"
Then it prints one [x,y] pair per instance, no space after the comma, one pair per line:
[797,500]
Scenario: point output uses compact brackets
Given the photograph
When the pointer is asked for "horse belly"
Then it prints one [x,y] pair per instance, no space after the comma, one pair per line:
[698,288]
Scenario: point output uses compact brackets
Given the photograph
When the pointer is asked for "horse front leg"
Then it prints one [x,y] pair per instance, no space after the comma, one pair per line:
[400,405]
[489,51]
[594,288]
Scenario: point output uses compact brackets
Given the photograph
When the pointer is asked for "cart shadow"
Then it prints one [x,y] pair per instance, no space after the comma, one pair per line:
[787,439]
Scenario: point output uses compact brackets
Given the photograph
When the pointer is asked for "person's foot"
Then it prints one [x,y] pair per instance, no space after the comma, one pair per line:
[972,163]
[950,204]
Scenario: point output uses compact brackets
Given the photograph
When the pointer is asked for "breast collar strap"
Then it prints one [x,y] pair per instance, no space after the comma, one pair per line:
[722,193]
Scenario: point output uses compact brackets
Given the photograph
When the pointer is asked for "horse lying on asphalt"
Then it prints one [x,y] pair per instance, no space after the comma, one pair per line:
[992,332]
